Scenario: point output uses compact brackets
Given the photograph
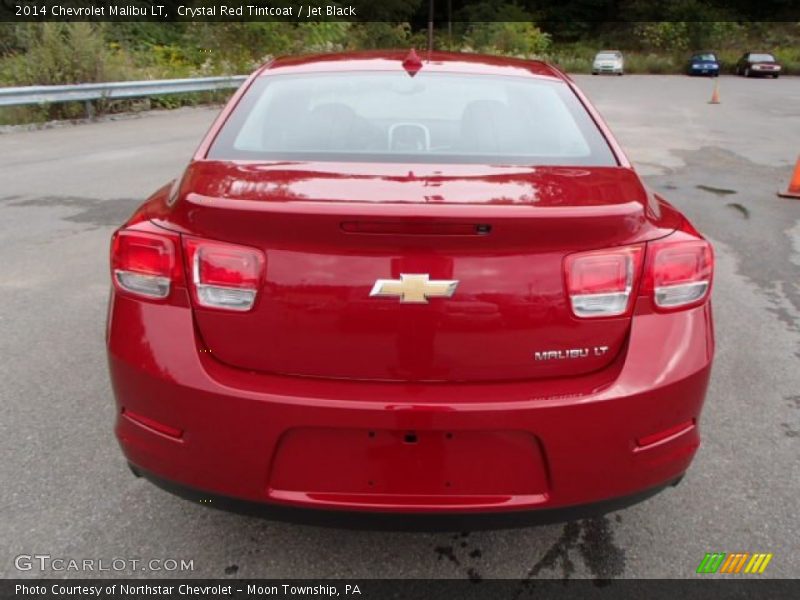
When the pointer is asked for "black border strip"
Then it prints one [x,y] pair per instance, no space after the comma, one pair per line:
[444,11]
[405,589]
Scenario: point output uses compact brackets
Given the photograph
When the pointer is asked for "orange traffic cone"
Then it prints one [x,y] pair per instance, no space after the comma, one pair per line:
[793,191]
[715,93]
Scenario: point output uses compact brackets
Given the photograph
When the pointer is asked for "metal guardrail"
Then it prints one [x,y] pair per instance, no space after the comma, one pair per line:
[86,92]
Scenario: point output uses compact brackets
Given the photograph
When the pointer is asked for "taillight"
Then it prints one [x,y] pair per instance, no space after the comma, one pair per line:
[144,263]
[677,275]
[679,272]
[600,283]
[223,275]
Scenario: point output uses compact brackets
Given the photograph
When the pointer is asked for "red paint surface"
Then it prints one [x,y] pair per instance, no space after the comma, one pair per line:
[309,397]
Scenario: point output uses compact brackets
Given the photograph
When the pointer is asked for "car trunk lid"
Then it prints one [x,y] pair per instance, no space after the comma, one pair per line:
[330,232]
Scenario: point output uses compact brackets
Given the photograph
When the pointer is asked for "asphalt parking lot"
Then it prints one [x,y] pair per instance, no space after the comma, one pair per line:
[64,487]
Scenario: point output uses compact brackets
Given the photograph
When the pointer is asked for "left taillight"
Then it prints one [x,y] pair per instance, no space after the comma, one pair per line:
[145,263]
[223,275]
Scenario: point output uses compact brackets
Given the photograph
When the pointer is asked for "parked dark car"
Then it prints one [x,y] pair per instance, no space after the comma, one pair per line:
[758,64]
[703,63]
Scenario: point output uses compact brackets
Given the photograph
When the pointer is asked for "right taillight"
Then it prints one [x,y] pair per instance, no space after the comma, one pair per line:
[677,274]
[679,271]
[224,276]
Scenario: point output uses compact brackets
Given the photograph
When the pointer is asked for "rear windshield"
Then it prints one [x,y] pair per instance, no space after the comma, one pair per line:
[392,117]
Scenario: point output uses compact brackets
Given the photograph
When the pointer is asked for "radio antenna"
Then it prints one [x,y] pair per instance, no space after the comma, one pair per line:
[430,29]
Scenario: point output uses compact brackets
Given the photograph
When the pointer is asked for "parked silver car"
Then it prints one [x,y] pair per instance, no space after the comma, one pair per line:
[608,61]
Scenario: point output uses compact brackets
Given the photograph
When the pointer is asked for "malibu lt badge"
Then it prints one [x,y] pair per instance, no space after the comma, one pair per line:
[570,353]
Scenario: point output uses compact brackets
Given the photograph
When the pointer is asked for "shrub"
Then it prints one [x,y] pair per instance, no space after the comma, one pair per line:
[240,47]
[373,35]
[571,63]
[323,36]
[656,64]
[515,38]
[60,53]
[664,35]
[789,57]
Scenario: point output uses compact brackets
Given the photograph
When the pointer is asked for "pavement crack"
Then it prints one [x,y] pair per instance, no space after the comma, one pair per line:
[92,211]
[448,553]
[603,557]
[473,575]
[793,401]
[594,541]
[558,554]
[790,432]
[455,554]
[745,212]
[715,190]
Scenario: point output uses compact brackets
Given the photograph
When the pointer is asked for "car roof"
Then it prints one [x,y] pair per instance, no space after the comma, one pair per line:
[390,60]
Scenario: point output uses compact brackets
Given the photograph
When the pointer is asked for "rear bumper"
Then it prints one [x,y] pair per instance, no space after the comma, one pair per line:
[342,445]
[710,71]
[396,521]
[764,72]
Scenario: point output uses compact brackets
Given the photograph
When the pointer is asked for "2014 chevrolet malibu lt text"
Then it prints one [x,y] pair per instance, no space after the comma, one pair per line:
[394,285]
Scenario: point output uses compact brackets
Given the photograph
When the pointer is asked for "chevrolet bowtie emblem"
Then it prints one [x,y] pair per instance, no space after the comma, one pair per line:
[414,289]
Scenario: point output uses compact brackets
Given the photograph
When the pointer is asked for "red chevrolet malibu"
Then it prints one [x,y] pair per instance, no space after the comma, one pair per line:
[391,285]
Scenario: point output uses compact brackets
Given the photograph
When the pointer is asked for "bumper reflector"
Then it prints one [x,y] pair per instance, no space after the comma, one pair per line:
[152,424]
[667,434]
